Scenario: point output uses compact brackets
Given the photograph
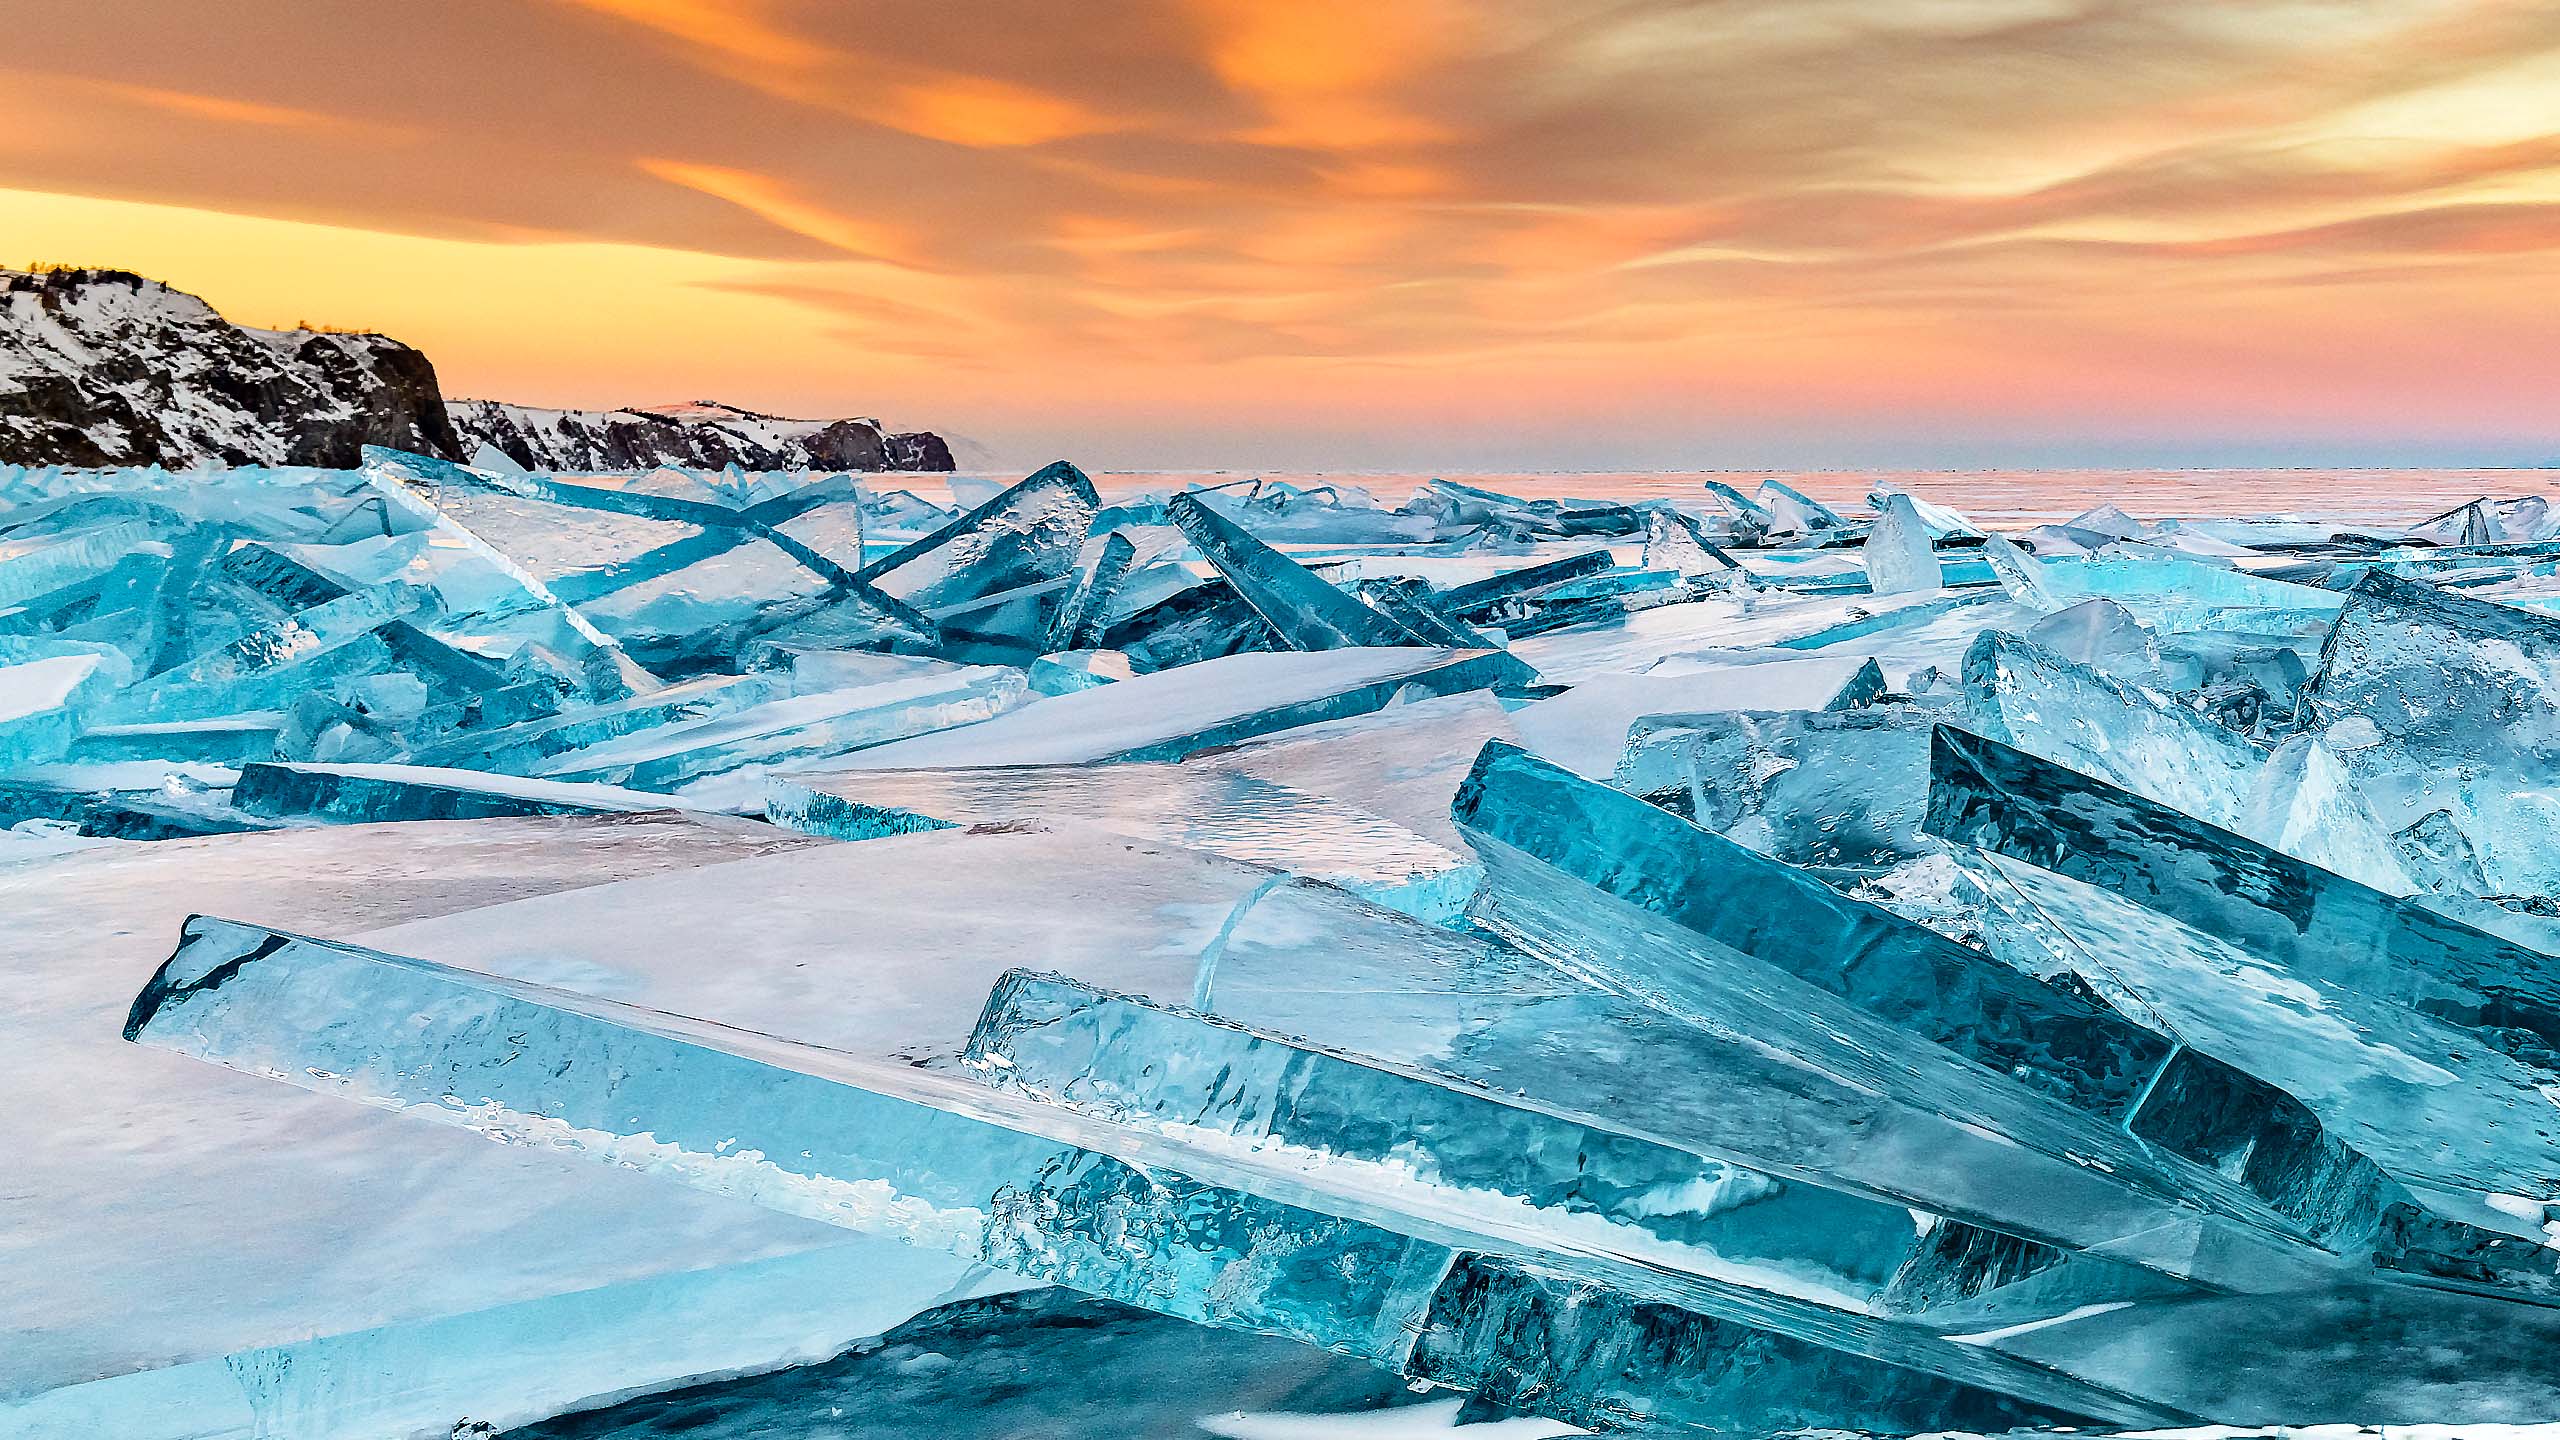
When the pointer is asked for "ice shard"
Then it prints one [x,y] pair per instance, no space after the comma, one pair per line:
[2374,982]
[1674,542]
[1750,520]
[2436,701]
[1306,611]
[46,689]
[997,575]
[1843,790]
[1173,713]
[796,729]
[1722,936]
[1027,1187]
[1079,621]
[1900,555]
[1478,601]
[518,747]
[1793,512]
[1299,606]
[2175,595]
[358,794]
[1178,1073]
[1222,811]
[2024,695]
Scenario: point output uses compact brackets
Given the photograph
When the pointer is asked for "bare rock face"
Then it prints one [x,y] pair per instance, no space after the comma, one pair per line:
[104,367]
[703,435]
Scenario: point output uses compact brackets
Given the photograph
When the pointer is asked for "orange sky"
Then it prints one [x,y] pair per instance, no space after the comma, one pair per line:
[1448,233]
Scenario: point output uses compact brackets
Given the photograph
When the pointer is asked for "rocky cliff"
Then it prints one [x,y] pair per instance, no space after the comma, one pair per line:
[703,434]
[105,367]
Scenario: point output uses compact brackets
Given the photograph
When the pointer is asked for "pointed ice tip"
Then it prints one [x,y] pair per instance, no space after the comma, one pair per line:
[1470,797]
[210,952]
[1062,472]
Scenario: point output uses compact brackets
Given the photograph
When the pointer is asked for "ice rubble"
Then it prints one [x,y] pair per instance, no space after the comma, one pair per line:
[1729,963]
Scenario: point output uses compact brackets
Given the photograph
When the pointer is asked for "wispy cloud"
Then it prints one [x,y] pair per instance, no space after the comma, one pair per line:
[1562,199]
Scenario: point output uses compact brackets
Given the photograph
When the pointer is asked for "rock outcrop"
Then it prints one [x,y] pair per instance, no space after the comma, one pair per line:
[705,435]
[105,367]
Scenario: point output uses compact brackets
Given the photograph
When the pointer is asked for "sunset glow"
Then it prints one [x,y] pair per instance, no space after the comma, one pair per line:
[1454,233]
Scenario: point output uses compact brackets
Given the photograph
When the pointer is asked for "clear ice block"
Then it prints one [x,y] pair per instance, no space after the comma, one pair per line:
[1725,937]
[1223,811]
[1029,1188]
[2437,701]
[1901,556]
[1181,1073]
[1172,713]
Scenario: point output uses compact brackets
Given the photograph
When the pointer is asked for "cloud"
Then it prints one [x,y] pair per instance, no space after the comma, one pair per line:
[1666,191]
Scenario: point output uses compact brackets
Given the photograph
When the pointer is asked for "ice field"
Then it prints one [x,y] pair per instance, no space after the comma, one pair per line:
[486,949]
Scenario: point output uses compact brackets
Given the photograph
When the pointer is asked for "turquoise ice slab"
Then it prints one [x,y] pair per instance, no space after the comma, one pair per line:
[1673,541]
[1477,600]
[359,1270]
[1408,603]
[48,687]
[1750,519]
[1169,714]
[2297,798]
[1838,790]
[1103,564]
[1586,728]
[889,947]
[268,666]
[795,729]
[1836,1117]
[2373,1017]
[1632,897]
[2176,595]
[1220,810]
[36,564]
[996,576]
[683,583]
[2459,1126]
[2441,702]
[1900,554]
[2294,915]
[1299,606]
[944,1164]
[2028,696]
[358,794]
[1306,611]
[1185,1074]
[518,747]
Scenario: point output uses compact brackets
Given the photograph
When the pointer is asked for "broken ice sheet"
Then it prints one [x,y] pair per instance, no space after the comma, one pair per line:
[1901,555]
[468,1279]
[995,576]
[2434,1042]
[355,794]
[1586,728]
[2440,702]
[2023,695]
[1169,714]
[1633,898]
[1035,1189]
[1223,811]
[820,724]
[1831,790]
[1300,606]
[1188,1075]
[2173,595]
